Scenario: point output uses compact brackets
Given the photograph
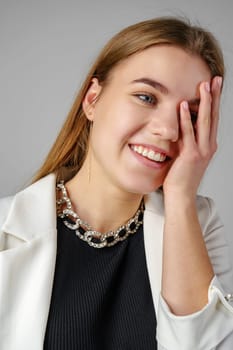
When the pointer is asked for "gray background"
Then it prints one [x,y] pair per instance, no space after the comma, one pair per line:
[46,48]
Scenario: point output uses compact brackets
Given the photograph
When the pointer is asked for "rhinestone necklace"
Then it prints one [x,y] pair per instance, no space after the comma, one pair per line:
[85,232]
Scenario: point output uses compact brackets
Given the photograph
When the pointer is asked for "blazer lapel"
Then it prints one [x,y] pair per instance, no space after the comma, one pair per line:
[153,238]
[27,267]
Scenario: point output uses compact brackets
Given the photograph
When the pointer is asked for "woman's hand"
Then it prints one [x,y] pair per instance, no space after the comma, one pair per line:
[186,263]
[198,144]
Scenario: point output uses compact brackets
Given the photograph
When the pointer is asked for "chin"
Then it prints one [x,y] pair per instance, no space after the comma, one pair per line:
[143,188]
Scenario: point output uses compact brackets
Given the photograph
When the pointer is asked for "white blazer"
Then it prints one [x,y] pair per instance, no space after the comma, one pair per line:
[27,262]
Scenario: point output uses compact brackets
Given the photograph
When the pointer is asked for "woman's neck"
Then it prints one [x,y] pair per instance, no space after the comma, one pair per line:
[103,207]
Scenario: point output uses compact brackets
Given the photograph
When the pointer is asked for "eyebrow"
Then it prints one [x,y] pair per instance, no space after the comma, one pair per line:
[163,89]
[155,84]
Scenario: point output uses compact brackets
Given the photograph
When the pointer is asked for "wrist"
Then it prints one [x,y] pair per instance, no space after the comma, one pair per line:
[179,196]
[180,203]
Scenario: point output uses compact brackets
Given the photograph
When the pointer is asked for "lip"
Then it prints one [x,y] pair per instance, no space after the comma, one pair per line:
[147,162]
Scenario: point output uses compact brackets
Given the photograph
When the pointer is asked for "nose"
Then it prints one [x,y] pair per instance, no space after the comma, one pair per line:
[165,124]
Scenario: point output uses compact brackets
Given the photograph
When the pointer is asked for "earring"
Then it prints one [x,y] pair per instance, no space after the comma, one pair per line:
[89,169]
[90,156]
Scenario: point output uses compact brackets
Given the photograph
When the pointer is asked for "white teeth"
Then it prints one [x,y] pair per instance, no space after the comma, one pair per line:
[151,155]
[145,152]
[148,153]
[140,149]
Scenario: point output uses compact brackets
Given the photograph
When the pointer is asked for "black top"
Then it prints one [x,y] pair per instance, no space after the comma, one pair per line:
[101,298]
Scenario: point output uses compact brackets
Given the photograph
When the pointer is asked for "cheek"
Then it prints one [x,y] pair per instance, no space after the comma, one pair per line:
[118,121]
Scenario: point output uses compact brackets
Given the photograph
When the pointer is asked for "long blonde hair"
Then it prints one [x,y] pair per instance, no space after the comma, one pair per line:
[69,150]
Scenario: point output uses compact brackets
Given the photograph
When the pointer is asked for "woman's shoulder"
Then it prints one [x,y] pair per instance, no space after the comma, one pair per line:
[37,191]
[206,207]
[5,201]
[36,200]
[5,204]
[208,214]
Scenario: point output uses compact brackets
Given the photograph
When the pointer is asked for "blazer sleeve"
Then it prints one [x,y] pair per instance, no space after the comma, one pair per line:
[212,327]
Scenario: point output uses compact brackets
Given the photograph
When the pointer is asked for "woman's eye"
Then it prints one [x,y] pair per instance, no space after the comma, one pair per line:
[146,98]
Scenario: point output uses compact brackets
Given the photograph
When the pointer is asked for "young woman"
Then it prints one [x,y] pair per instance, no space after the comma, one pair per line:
[110,247]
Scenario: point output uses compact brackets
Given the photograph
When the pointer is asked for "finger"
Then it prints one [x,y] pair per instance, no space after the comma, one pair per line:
[186,126]
[216,94]
[203,124]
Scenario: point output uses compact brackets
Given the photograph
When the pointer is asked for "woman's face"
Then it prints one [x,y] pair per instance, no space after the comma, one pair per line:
[136,117]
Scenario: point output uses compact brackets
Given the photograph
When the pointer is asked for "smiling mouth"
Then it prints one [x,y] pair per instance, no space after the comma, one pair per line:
[150,154]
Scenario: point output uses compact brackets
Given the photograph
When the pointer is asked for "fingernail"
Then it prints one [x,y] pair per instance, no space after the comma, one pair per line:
[185,105]
[219,80]
[207,86]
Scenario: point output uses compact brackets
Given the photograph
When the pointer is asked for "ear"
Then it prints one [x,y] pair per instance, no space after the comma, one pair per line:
[90,98]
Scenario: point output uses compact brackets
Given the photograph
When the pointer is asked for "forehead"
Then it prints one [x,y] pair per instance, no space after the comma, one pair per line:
[170,65]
